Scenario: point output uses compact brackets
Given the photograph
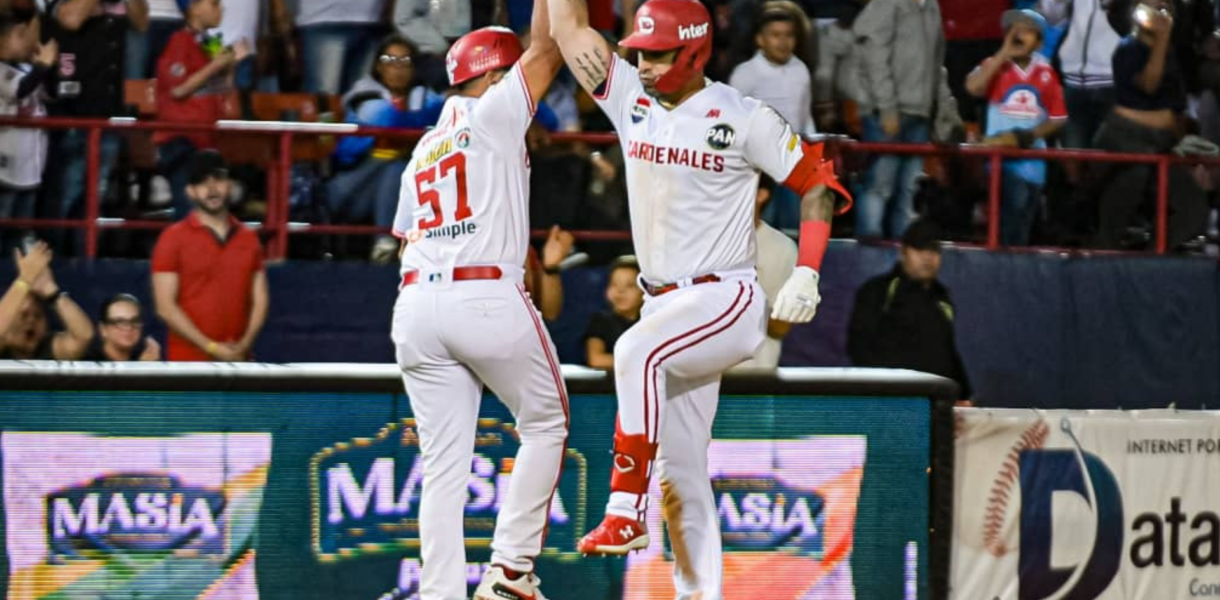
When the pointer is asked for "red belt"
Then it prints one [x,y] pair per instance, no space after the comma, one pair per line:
[459,274]
[665,288]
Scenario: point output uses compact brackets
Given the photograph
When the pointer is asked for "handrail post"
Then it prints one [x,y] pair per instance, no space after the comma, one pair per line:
[93,150]
[993,202]
[284,198]
[1162,203]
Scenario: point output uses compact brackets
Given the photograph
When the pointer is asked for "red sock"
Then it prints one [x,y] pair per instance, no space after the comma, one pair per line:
[511,574]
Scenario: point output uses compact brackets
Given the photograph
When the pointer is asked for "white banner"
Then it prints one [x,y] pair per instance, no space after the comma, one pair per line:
[1084,505]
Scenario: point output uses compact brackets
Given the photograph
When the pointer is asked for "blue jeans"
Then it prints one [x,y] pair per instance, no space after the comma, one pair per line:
[335,56]
[888,201]
[63,183]
[14,204]
[144,48]
[247,78]
[1018,207]
[368,190]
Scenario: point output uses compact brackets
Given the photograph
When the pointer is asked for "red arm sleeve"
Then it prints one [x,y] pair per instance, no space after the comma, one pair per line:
[812,170]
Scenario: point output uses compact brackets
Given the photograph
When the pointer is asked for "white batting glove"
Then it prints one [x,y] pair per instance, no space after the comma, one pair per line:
[798,300]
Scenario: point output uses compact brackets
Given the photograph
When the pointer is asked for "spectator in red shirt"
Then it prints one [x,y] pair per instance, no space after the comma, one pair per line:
[193,74]
[208,280]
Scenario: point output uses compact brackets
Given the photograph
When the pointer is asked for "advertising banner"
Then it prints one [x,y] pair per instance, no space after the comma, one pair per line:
[92,517]
[787,508]
[136,495]
[1086,505]
[370,490]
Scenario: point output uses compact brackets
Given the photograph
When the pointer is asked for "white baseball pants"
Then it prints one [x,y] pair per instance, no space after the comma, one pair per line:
[667,372]
[451,337]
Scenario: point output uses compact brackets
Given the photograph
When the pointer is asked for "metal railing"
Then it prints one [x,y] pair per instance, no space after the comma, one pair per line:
[277,226]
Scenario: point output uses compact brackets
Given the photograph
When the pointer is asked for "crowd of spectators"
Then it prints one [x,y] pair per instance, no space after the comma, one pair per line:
[1116,75]
[1119,75]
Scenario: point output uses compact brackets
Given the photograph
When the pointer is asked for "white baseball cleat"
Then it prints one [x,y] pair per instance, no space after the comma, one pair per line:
[497,586]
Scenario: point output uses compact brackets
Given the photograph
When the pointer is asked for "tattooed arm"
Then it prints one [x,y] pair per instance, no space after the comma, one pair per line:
[586,52]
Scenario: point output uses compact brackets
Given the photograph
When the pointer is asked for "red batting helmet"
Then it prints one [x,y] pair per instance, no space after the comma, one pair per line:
[682,25]
[480,51]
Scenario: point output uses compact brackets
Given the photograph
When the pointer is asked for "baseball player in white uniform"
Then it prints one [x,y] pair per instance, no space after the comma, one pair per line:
[693,151]
[463,318]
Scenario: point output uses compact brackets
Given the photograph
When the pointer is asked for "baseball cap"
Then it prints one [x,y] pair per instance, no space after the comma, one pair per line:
[1025,15]
[922,235]
[205,164]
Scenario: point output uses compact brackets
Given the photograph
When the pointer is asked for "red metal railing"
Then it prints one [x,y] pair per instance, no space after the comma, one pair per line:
[277,226]
[996,155]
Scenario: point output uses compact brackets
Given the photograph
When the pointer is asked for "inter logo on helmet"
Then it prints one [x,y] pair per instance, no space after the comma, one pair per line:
[645,24]
[720,136]
[691,32]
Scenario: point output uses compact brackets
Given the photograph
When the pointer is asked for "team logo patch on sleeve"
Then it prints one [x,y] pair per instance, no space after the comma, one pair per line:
[720,136]
[462,138]
[639,112]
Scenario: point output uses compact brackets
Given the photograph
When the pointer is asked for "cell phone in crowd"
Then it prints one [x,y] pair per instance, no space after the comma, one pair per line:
[1143,14]
[28,241]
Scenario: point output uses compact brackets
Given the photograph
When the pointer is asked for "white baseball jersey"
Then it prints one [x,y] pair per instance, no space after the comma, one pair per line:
[464,202]
[692,172]
[465,193]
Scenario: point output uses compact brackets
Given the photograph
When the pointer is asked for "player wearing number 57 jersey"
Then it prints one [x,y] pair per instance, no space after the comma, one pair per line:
[463,318]
[693,152]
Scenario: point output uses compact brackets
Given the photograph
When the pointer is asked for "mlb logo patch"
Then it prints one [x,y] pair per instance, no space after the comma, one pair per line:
[639,112]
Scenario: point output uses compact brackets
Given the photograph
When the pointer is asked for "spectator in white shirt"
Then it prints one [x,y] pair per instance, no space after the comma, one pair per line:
[247,21]
[338,38]
[778,77]
[25,66]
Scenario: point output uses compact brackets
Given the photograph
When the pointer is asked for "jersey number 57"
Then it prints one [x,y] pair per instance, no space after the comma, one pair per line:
[455,165]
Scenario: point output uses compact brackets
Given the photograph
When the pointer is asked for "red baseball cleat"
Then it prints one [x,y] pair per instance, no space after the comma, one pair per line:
[616,536]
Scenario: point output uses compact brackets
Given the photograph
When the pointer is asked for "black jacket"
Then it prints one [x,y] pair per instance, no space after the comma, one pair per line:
[899,323]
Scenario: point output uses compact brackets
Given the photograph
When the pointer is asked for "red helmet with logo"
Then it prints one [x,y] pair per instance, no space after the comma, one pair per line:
[682,25]
[480,51]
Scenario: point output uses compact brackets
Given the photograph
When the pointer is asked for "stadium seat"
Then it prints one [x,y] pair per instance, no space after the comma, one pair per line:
[303,108]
